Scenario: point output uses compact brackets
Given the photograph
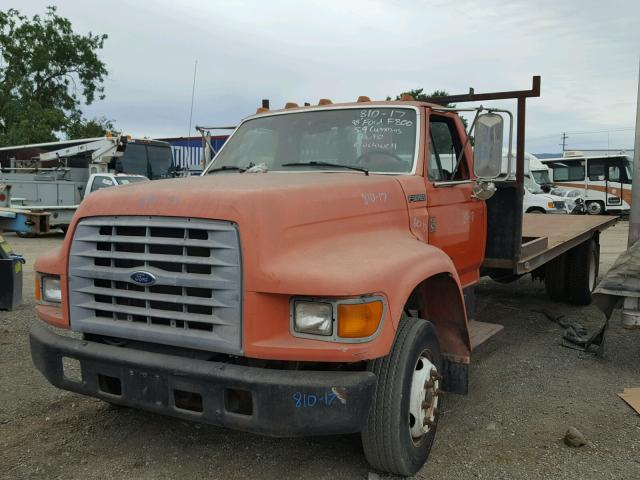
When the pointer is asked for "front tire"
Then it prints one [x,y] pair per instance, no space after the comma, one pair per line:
[403,417]
[595,208]
[536,210]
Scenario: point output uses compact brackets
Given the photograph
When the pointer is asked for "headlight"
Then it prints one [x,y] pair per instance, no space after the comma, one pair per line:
[313,317]
[50,288]
[355,319]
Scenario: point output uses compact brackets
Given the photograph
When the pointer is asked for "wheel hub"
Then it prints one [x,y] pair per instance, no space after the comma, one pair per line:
[425,392]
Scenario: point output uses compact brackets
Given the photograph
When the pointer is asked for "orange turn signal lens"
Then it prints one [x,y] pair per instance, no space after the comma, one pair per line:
[359,320]
[38,288]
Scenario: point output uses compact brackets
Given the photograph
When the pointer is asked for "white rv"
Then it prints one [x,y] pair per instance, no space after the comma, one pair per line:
[605,181]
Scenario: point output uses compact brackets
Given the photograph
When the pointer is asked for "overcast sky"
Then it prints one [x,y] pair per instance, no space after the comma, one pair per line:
[586,51]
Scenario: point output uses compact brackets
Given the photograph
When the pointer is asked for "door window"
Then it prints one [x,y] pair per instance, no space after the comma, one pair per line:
[444,150]
[614,173]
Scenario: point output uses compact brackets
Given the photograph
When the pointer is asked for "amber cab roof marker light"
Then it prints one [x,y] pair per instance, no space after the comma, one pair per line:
[405,97]
[262,110]
[363,98]
[324,101]
[291,105]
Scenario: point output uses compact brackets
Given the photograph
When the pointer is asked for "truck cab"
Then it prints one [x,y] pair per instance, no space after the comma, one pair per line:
[316,279]
[98,181]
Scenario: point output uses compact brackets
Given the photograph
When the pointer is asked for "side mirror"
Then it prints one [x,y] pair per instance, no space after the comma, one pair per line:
[487,148]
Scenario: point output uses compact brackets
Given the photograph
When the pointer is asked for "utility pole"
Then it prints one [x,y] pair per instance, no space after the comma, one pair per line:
[634,216]
[564,140]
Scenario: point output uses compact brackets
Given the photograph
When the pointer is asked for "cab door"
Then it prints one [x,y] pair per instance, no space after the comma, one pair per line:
[457,223]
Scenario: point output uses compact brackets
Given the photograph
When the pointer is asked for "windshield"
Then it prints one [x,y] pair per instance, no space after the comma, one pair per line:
[127,180]
[532,186]
[160,161]
[541,177]
[152,161]
[381,140]
[134,159]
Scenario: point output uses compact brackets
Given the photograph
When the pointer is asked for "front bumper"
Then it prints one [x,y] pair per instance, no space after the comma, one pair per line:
[282,402]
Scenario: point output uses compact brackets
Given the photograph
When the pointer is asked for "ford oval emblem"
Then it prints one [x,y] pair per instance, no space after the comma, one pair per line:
[144,279]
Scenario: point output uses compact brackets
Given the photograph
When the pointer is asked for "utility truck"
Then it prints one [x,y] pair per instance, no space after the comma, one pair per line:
[55,182]
[318,278]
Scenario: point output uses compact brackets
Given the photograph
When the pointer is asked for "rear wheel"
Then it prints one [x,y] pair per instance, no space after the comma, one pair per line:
[555,278]
[404,413]
[583,265]
[595,208]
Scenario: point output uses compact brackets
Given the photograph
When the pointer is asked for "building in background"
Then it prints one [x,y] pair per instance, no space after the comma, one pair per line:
[188,152]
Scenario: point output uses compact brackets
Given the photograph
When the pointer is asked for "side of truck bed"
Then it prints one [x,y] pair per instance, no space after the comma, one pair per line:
[544,237]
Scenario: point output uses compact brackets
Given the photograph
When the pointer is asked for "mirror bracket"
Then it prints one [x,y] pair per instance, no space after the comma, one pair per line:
[483,190]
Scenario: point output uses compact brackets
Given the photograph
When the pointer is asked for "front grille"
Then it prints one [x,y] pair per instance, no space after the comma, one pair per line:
[194,296]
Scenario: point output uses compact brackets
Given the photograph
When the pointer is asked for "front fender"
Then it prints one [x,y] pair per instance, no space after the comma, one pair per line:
[54,263]
[390,261]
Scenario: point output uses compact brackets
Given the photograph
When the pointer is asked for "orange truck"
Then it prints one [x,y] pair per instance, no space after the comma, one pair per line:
[316,279]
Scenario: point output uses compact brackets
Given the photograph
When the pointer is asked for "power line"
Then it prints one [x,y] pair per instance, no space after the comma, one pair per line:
[551,135]
[602,131]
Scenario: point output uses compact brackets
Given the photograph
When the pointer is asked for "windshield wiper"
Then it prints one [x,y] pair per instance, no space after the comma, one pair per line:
[325,164]
[226,167]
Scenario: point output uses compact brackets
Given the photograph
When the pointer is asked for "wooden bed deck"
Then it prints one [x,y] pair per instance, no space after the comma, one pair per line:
[547,236]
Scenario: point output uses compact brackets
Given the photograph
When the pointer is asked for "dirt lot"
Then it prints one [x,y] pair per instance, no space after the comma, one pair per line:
[525,391]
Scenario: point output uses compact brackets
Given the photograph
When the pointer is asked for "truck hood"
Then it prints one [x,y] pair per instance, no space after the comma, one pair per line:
[276,213]
[547,197]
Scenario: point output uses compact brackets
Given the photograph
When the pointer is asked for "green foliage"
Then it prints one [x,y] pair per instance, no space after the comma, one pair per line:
[46,73]
[419,95]
[83,128]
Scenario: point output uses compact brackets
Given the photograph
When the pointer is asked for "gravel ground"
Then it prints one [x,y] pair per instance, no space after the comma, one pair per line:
[526,390]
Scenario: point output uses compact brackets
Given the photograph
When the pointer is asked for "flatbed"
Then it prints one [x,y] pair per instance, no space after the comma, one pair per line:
[548,236]
[545,237]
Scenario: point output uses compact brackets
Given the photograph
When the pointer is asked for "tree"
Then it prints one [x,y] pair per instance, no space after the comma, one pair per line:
[83,128]
[419,95]
[47,72]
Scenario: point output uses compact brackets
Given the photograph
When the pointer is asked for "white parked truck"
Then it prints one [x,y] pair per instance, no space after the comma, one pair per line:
[56,181]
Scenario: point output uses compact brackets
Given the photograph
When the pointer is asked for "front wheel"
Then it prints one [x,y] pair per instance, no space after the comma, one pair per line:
[406,406]
[595,208]
[536,210]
